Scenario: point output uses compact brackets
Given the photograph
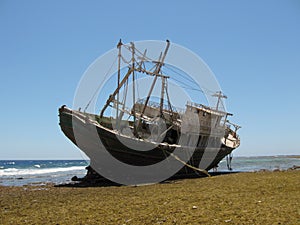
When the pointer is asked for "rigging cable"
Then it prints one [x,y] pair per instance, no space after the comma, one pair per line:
[178,73]
[188,165]
[100,85]
[137,51]
[188,78]
[186,86]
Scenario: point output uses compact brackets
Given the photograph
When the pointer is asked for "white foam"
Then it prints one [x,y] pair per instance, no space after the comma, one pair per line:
[18,172]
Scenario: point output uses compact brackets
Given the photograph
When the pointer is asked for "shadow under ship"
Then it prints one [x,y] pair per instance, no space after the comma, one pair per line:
[154,125]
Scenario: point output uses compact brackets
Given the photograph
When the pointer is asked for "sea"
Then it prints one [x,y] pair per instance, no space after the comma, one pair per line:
[42,172]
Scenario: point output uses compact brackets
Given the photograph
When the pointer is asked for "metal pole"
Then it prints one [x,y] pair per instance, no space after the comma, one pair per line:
[119,77]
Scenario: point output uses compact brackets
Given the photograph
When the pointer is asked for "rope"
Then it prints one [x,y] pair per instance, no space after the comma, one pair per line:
[127,62]
[100,84]
[187,78]
[188,165]
[178,73]
[129,48]
[186,87]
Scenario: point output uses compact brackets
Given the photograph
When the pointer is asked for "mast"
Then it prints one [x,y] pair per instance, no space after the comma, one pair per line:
[133,85]
[162,96]
[119,75]
[219,95]
[157,70]
[131,69]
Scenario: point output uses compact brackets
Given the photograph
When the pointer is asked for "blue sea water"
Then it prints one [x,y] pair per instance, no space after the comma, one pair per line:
[39,172]
[257,163]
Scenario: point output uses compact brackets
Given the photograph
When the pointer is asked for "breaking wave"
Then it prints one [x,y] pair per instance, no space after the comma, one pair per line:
[36,171]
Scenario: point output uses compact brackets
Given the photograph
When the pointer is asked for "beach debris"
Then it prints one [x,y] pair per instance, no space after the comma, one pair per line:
[227,221]
[39,189]
[294,167]
[127,221]
[194,207]
[161,220]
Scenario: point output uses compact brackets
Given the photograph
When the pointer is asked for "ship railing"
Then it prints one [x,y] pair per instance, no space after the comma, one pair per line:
[166,107]
[207,108]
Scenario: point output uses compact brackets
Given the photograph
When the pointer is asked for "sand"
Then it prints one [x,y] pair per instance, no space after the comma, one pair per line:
[243,198]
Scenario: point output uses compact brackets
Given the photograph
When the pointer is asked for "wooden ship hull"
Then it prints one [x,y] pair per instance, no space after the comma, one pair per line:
[111,142]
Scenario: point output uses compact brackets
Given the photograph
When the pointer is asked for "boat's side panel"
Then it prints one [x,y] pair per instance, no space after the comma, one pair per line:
[113,143]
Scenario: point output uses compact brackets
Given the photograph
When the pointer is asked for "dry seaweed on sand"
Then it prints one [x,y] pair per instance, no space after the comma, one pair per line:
[244,198]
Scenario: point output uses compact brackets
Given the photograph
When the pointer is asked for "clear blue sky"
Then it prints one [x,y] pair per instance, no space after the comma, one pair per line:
[253,47]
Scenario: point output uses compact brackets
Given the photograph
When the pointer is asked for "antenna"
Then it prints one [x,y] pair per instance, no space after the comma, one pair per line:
[219,95]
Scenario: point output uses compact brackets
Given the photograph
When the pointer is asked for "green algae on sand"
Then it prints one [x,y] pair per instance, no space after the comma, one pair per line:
[243,198]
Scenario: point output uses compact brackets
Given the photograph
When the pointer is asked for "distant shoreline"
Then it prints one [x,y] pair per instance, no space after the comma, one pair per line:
[270,156]
[239,156]
[291,156]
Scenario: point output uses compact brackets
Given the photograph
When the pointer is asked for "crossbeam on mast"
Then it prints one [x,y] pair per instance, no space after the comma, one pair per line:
[219,95]
[151,73]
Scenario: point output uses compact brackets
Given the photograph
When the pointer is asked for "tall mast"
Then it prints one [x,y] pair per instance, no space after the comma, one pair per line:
[119,77]
[133,83]
[131,69]
[219,95]
[162,96]
[157,70]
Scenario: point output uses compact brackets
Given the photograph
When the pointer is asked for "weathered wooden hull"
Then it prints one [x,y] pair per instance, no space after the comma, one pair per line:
[113,143]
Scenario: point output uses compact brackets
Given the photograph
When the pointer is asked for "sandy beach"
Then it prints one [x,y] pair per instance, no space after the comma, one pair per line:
[242,198]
